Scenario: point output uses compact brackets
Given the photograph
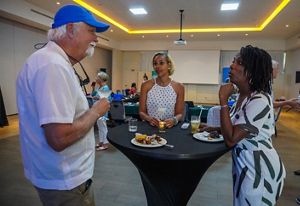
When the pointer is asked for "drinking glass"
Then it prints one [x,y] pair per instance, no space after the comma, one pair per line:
[195,123]
[162,124]
[132,125]
[104,93]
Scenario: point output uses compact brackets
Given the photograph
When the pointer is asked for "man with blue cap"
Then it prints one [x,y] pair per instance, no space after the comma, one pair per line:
[56,123]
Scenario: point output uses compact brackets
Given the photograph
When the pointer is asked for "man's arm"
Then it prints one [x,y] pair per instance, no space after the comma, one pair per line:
[60,136]
[293,103]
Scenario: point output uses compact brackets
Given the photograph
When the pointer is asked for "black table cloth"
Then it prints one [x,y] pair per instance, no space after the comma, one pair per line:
[169,176]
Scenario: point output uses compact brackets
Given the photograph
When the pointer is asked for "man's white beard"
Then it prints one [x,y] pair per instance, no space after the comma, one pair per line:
[90,51]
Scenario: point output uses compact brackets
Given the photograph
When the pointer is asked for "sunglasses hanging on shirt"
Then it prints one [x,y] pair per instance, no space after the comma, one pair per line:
[82,81]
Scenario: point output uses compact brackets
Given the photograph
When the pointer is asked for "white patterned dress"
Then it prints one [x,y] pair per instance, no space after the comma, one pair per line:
[258,172]
[161,97]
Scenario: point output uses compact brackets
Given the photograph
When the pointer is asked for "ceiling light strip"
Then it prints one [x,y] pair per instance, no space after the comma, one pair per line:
[199,30]
[103,16]
[234,29]
[274,13]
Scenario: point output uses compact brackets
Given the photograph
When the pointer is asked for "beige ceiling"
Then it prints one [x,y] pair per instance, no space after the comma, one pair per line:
[164,14]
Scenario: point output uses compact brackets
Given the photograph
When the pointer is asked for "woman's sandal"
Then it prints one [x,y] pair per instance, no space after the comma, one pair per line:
[100,148]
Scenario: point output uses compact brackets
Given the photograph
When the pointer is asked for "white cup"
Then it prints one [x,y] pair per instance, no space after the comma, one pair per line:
[132,125]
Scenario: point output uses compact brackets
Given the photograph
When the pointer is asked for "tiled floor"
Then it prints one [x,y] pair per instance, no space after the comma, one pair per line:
[117,182]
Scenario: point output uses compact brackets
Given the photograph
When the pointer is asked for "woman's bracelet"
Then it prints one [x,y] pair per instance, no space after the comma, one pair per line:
[175,120]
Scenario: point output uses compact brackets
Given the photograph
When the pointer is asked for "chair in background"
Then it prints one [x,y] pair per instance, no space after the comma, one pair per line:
[190,103]
[185,116]
[117,111]
[213,117]
[276,117]
[186,113]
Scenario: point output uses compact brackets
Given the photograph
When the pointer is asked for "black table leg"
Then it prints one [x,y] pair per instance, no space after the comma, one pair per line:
[169,182]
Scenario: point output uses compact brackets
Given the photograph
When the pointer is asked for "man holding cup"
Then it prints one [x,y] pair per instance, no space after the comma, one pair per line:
[56,123]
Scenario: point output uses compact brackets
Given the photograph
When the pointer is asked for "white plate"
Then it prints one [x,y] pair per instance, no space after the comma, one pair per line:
[160,144]
[203,136]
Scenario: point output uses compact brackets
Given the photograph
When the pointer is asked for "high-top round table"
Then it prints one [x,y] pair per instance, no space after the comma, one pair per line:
[169,176]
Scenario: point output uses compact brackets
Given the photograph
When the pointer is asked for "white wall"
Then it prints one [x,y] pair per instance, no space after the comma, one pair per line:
[117,59]
[16,42]
[291,89]
[130,67]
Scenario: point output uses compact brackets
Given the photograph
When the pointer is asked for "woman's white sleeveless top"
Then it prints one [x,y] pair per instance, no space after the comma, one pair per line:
[161,101]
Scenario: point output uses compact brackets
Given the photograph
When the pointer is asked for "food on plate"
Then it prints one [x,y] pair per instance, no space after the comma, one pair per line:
[140,137]
[144,139]
[213,135]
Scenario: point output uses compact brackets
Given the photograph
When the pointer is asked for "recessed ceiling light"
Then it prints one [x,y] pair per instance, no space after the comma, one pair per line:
[218,34]
[246,34]
[138,11]
[287,25]
[167,36]
[143,36]
[111,30]
[192,35]
[58,3]
[229,6]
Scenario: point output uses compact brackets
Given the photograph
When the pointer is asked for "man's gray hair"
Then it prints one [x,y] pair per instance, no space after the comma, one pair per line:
[60,32]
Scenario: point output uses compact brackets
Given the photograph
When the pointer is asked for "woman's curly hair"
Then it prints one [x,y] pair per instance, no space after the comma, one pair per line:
[258,68]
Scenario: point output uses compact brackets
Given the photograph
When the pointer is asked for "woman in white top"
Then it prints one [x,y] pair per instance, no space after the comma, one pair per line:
[162,98]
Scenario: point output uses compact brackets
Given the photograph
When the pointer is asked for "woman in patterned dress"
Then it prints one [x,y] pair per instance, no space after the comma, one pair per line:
[258,172]
[162,98]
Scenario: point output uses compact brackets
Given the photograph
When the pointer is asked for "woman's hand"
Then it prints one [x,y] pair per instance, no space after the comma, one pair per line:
[294,103]
[153,121]
[225,92]
[169,122]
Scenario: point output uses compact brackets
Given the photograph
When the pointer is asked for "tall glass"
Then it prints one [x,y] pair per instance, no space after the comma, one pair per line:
[162,124]
[132,125]
[195,123]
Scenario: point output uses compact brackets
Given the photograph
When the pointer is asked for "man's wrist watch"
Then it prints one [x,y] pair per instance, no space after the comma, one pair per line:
[175,120]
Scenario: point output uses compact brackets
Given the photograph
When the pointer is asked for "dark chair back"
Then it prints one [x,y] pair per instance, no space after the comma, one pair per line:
[186,116]
[117,111]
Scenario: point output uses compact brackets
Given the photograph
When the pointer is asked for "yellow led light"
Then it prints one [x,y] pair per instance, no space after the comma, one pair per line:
[274,13]
[197,30]
[100,14]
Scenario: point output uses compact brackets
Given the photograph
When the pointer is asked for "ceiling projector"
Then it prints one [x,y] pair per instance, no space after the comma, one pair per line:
[180,42]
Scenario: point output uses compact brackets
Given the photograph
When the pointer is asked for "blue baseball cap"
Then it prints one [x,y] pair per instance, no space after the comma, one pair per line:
[74,13]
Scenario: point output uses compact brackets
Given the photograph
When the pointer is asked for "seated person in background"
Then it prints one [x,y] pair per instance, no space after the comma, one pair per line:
[292,103]
[132,90]
[93,92]
[162,98]
[102,79]
[247,128]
